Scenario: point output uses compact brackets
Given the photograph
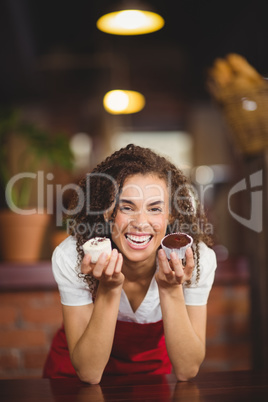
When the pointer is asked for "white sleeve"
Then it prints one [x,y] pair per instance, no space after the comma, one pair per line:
[197,294]
[74,291]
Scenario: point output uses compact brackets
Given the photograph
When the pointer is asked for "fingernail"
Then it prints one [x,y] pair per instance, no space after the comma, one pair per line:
[161,253]
[103,257]
[173,256]
[87,257]
[114,251]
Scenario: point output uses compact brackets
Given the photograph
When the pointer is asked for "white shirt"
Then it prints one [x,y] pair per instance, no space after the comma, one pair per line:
[74,291]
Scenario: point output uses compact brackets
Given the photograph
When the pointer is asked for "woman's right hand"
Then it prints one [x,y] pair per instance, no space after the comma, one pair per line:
[106,270]
[90,328]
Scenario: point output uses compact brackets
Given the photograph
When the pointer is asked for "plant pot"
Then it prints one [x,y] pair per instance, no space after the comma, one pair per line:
[58,236]
[22,236]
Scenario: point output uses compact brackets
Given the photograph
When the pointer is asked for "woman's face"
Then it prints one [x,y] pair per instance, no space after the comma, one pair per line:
[142,217]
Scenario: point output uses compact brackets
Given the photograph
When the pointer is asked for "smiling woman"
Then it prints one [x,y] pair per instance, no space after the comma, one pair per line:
[142,218]
[136,311]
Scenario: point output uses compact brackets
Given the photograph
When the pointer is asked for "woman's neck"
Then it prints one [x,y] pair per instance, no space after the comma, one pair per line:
[138,276]
[139,271]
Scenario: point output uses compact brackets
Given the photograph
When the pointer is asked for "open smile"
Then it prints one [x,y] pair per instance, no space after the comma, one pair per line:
[138,241]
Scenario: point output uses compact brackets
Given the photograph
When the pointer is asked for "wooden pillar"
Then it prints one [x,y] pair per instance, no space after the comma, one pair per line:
[257,250]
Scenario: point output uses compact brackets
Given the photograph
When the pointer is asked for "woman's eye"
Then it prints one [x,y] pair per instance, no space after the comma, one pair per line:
[155,210]
[125,208]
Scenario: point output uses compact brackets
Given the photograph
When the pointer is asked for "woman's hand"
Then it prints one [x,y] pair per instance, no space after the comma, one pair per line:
[90,329]
[184,326]
[106,270]
[173,272]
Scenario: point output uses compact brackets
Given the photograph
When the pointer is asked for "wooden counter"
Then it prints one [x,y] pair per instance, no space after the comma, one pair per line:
[231,386]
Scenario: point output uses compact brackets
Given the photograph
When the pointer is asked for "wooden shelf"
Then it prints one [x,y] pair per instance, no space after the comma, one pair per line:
[232,271]
[18,276]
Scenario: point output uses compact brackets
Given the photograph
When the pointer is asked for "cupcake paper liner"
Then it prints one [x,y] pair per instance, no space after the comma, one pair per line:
[179,251]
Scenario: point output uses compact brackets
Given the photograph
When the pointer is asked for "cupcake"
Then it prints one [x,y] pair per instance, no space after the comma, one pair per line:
[96,246]
[177,242]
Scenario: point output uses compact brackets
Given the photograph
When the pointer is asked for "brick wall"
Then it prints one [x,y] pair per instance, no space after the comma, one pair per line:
[29,319]
[228,328]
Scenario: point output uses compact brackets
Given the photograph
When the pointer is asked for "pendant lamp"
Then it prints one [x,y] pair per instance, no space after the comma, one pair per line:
[121,101]
[130,18]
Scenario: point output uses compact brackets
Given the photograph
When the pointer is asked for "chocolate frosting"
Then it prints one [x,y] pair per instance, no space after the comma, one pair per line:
[176,240]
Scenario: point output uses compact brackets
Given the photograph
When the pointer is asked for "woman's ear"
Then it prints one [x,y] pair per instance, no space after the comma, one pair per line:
[106,216]
[171,219]
[170,222]
[109,212]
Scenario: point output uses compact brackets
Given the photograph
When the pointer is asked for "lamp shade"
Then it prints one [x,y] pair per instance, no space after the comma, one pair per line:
[130,21]
[123,102]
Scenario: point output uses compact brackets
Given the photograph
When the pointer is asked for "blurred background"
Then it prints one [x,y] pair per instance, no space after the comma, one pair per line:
[56,67]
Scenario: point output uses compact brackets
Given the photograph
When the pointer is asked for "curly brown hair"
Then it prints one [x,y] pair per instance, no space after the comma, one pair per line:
[102,187]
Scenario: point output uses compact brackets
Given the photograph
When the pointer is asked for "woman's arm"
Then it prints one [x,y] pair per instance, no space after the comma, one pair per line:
[184,326]
[90,329]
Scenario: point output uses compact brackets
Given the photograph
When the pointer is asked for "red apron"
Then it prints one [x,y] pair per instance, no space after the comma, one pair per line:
[137,349]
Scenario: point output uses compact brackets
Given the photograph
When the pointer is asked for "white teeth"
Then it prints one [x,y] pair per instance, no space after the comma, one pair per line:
[138,239]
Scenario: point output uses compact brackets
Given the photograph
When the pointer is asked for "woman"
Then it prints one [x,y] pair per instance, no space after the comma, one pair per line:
[135,312]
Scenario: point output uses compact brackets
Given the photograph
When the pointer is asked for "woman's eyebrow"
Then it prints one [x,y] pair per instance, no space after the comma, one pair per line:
[125,200]
[156,202]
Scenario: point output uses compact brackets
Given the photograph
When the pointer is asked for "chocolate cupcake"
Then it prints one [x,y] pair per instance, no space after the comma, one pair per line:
[177,242]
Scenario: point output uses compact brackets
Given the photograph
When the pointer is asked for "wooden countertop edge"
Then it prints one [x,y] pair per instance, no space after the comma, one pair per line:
[22,276]
[34,276]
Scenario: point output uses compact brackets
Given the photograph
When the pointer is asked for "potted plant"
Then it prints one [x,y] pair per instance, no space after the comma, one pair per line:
[25,149]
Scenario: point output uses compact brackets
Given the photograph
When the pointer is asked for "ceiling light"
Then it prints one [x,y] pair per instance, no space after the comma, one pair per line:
[131,20]
[123,102]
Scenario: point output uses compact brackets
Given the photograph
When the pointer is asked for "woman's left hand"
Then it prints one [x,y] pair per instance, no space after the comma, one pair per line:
[173,272]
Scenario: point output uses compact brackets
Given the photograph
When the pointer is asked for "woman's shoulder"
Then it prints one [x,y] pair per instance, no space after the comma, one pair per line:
[196,294]
[207,257]
[66,251]
[68,243]
[74,291]
[206,251]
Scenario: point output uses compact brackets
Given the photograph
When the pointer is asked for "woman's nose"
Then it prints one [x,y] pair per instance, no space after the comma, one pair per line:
[139,220]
